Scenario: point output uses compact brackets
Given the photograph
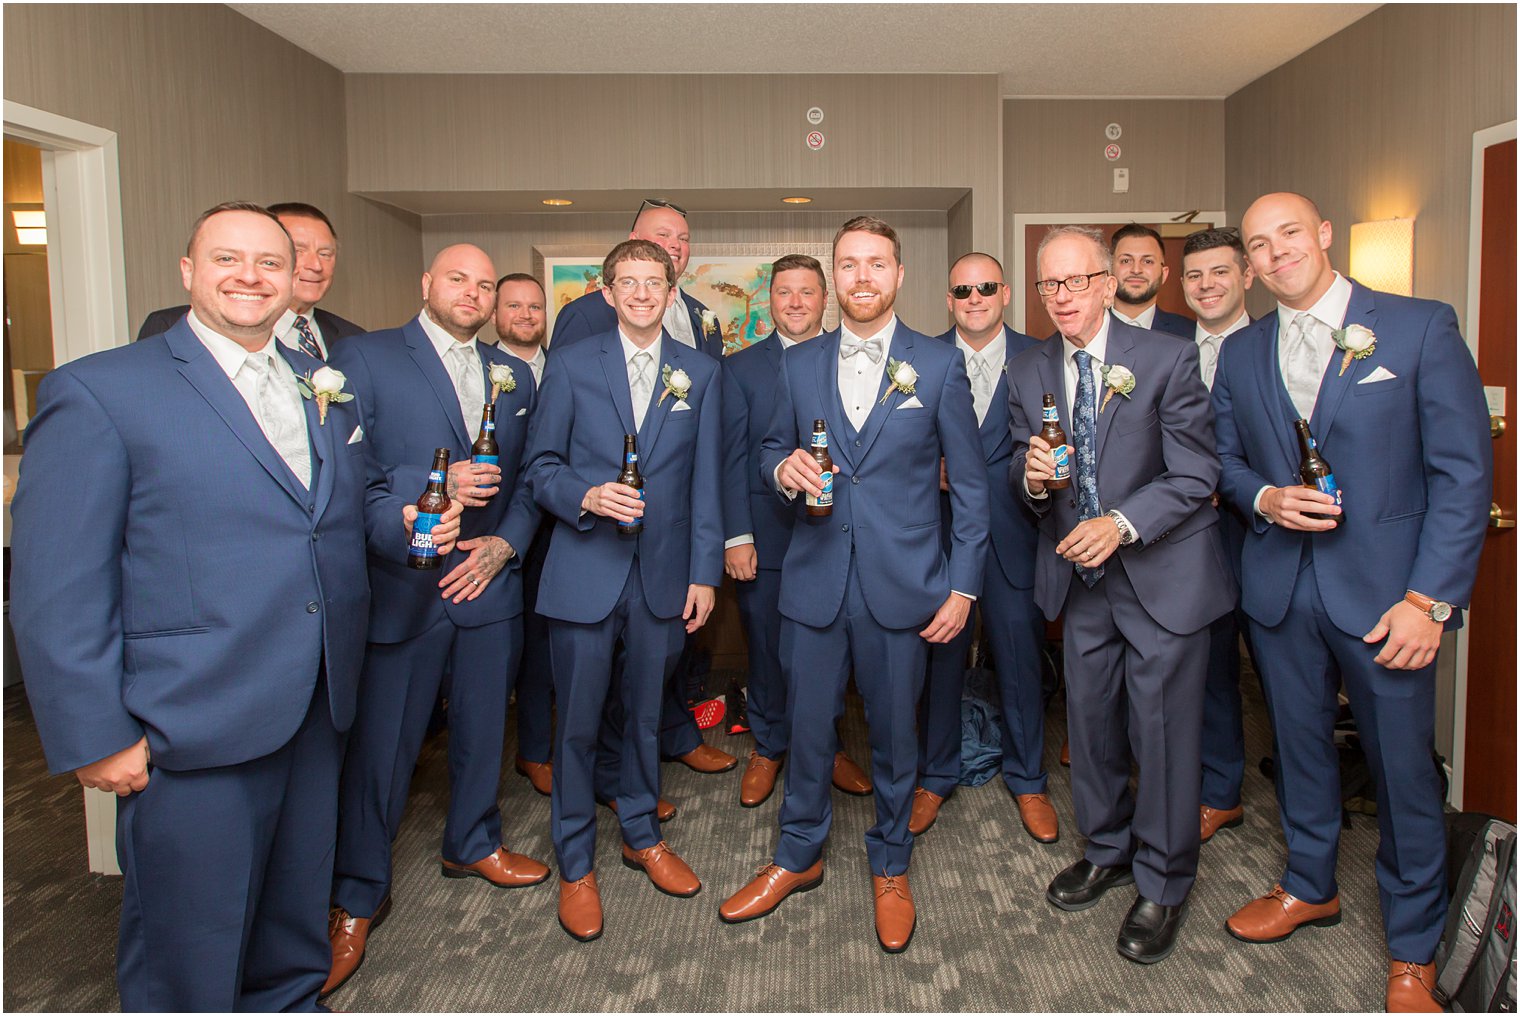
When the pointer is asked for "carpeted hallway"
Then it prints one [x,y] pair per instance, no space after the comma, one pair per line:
[986,940]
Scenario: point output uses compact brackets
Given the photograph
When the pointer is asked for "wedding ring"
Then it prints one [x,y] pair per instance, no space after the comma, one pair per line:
[474,581]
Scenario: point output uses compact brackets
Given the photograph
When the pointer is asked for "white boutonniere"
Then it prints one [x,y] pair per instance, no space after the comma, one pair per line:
[709,322]
[326,386]
[1358,342]
[1119,379]
[502,380]
[903,376]
[677,383]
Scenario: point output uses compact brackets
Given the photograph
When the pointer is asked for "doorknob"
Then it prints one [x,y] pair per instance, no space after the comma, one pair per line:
[1496,519]
[1495,426]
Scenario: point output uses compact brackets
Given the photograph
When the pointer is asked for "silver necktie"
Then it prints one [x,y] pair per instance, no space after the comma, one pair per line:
[469,385]
[641,386]
[981,384]
[1305,368]
[283,421]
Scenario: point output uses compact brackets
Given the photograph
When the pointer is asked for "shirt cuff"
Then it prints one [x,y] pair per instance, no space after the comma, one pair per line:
[1256,506]
[966,595]
[739,541]
[1042,495]
[786,492]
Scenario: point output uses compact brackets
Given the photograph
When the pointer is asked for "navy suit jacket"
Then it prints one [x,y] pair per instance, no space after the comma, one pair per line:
[1173,324]
[1156,465]
[332,326]
[591,314]
[749,502]
[410,409]
[1012,531]
[886,485]
[170,576]
[1412,454]
[576,443]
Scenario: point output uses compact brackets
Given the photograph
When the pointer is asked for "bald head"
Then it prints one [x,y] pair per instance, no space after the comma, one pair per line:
[1288,245]
[978,316]
[459,290]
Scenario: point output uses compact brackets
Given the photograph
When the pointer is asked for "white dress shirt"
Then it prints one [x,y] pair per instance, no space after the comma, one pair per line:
[535,363]
[471,391]
[678,322]
[1145,320]
[285,331]
[630,350]
[995,355]
[231,357]
[1209,346]
[859,378]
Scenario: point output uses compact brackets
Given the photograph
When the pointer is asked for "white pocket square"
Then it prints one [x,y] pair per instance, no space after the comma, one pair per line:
[1381,374]
[680,407]
[912,403]
[523,411]
[357,435]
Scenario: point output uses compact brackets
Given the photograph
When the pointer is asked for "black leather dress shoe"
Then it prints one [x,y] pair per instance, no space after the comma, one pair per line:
[1150,931]
[1084,883]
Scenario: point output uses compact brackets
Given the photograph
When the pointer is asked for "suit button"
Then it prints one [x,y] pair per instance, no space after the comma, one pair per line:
[854,479]
[312,608]
[315,537]
[857,444]
[844,529]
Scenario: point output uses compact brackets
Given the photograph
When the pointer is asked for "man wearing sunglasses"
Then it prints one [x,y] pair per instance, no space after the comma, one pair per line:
[1013,625]
[687,320]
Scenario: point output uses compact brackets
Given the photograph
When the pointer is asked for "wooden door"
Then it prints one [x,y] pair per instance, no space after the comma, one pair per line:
[1488,782]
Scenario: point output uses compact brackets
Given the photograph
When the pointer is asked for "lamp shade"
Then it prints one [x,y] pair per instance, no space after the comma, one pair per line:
[1382,255]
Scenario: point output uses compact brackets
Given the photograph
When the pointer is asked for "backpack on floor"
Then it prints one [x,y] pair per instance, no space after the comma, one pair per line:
[1475,963]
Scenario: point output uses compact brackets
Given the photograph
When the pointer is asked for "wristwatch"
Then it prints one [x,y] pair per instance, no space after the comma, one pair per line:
[1437,610]
[1127,535]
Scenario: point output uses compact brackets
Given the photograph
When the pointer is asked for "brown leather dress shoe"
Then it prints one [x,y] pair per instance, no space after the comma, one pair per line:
[925,813]
[503,869]
[771,884]
[539,774]
[1277,915]
[580,908]
[704,758]
[1066,753]
[759,780]
[1411,987]
[1211,820]
[349,935]
[1038,816]
[671,875]
[664,811]
[895,919]
[849,778]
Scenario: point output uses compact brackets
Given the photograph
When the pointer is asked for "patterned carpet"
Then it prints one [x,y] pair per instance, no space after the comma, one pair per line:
[986,939]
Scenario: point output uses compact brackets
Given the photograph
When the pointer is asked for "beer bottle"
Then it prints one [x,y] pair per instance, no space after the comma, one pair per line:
[1054,436]
[633,478]
[430,508]
[1314,472]
[484,449]
[822,505]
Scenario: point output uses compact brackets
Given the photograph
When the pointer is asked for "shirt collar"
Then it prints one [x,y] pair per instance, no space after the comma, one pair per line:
[536,358]
[1329,310]
[787,343]
[1097,348]
[1146,319]
[1200,333]
[229,355]
[442,341]
[885,335]
[994,352]
[629,349]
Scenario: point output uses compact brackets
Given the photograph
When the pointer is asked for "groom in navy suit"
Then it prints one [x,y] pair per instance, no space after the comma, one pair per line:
[869,585]
[1393,398]
[1131,553]
[195,647]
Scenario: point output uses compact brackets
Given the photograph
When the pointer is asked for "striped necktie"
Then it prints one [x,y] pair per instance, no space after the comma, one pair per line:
[308,341]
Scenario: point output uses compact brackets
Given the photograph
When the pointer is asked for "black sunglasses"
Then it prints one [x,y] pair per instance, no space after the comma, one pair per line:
[655,203]
[984,288]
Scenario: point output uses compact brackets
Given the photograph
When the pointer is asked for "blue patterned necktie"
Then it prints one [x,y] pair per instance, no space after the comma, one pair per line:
[308,340]
[1084,427]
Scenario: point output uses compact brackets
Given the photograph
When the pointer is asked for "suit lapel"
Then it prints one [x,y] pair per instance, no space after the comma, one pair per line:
[1334,386]
[902,351]
[1120,352]
[828,396]
[428,363]
[654,415]
[1053,376]
[994,426]
[616,370]
[699,336]
[320,435]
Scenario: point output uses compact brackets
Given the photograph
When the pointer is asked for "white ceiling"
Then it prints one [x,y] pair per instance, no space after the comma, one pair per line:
[1136,50]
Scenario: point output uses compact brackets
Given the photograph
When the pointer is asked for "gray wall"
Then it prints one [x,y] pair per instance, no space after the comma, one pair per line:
[208,107]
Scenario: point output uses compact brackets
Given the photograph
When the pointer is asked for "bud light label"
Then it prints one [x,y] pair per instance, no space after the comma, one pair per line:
[1062,455]
[489,460]
[1327,485]
[422,534]
[820,440]
[826,499]
[490,425]
[631,458]
[435,476]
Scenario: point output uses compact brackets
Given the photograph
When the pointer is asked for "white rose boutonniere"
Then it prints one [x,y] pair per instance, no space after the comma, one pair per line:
[903,377]
[1358,342]
[326,386]
[677,383]
[709,322]
[1119,379]
[502,380]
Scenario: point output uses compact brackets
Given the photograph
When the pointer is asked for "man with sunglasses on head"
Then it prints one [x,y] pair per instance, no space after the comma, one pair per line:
[1012,623]
[687,320]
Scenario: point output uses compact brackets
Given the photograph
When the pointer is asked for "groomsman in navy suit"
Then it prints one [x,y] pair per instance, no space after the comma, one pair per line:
[649,589]
[1130,553]
[759,527]
[868,586]
[1215,277]
[977,298]
[1141,270]
[422,387]
[1356,591]
[194,645]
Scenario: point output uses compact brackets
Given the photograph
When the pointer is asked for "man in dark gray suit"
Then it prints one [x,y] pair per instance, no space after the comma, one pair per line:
[1131,553]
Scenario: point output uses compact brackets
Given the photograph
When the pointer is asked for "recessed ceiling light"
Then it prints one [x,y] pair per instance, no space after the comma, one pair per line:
[797,201]
[558,202]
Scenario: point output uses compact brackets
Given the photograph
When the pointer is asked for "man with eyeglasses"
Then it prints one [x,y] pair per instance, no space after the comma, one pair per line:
[1130,554]
[687,320]
[600,586]
[1012,624]
[1141,270]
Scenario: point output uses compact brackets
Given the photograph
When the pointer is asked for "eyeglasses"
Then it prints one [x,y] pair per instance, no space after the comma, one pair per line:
[984,288]
[655,203]
[1074,284]
[654,287]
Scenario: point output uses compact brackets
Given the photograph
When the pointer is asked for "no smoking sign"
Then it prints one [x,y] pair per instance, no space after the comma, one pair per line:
[815,140]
